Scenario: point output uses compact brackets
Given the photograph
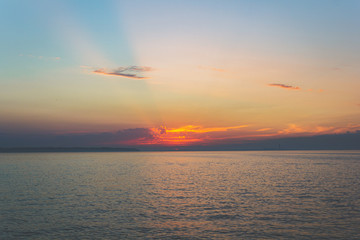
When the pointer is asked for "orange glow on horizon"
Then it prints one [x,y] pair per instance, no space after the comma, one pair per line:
[181,136]
[188,134]
[199,135]
[199,129]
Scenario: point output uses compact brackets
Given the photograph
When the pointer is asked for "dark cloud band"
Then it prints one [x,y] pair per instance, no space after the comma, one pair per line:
[134,72]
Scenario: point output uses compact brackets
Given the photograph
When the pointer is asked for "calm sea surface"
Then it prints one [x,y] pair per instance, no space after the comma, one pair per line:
[180,195]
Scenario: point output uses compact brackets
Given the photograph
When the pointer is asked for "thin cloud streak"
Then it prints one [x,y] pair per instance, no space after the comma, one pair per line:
[263,129]
[280,85]
[133,72]
[211,68]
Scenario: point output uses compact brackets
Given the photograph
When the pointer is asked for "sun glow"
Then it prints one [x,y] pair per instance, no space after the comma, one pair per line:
[182,136]
[200,129]
[192,135]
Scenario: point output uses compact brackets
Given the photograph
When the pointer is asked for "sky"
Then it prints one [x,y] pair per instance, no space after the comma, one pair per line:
[177,73]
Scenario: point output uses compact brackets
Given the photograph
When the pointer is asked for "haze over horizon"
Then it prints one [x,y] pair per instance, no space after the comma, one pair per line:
[179,74]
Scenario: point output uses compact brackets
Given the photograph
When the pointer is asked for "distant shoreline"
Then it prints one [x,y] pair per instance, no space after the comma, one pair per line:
[66,149]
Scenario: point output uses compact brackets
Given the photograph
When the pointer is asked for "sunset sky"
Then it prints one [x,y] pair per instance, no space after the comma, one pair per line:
[177,73]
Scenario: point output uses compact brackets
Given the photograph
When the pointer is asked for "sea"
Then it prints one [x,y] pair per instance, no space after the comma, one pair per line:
[180,195]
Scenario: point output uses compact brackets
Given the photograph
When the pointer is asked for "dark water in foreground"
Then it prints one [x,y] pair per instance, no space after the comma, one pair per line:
[180,195]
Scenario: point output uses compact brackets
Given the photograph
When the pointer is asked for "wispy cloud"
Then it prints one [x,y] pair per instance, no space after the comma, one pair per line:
[133,72]
[318,90]
[263,129]
[280,85]
[296,129]
[211,68]
[289,87]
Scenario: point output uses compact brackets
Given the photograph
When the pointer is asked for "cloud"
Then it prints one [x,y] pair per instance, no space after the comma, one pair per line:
[318,138]
[293,128]
[296,130]
[187,135]
[160,136]
[312,90]
[263,129]
[162,129]
[119,138]
[342,141]
[211,68]
[200,129]
[280,85]
[133,72]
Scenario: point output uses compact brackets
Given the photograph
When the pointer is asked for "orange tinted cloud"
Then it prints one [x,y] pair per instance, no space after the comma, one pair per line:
[211,68]
[133,72]
[182,136]
[263,129]
[189,134]
[200,129]
[293,129]
[283,86]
